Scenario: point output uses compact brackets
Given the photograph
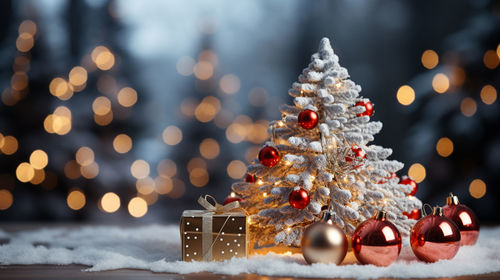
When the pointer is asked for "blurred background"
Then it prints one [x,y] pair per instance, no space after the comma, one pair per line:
[122,111]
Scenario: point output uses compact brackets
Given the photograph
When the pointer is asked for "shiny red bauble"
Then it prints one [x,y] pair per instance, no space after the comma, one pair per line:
[299,198]
[464,218]
[232,198]
[250,178]
[376,241]
[368,108]
[356,154]
[308,119]
[406,180]
[269,156]
[435,237]
[414,214]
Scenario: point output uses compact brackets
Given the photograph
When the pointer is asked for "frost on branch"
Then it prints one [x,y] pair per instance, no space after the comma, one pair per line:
[322,162]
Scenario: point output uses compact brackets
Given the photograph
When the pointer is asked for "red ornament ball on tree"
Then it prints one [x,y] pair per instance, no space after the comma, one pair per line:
[406,180]
[414,214]
[356,153]
[308,119]
[299,198]
[250,178]
[376,241]
[368,108]
[232,198]
[464,218]
[269,156]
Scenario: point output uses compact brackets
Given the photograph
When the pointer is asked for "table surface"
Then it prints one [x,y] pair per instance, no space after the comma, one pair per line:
[76,271]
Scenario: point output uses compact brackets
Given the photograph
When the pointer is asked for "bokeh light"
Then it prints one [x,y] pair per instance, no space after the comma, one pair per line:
[39,159]
[39,177]
[72,169]
[25,172]
[209,148]
[185,65]
[488,94]
[8,145]
[76,200]
[25,42]
[444,147]
[127,97]
[198,177]
[103,58]
[84,156]
[166,168]
[203,70]
[430,59]
[101,106]
[230,84]
[145,185]
[163,185]
[78,76]
[207,109]
[110,202]
[137,207]
[6,199]
[236,169]
[491,59]
[122,143]
[440,83]
[417,172]
[90,171]
[477,188]
[139,169]
[196,163]
[27,26]
[172,135]
[405,95]
[468,107]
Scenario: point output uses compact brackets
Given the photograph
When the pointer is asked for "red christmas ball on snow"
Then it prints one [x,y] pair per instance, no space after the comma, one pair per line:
[269,156]
[308,119]
[435,237]
[464,218]
[232,197]
[356,153]
[250,178]
[406,180]
[299,198]
[368,108]
[414,214]
[376,241]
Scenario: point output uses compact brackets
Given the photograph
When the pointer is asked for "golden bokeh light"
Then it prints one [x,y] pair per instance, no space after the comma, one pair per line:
[60,121]
[185,65]
[103,58]
[78,76]
[166,168]
[417,172]
[488,94]
[84,156]
[172,135]
[440,83]
[203,70]
[198,177]
[209,148]
[25,42]
[27,26]
[468,107]
[196,163]
[110,202]
[491,59]
[208,55]
[145,185]
[236,169]
[430,59]
[230,84]
[163,185]
[104,119]
[101,106]
[10,97]
[258,132]
[207,109]
[477,188]
[76,200]
[405,95]
[139,169]
[90,171]
[258,97]
[127,97]
[137,207]
[6,199]
[444,147]
[122,143]
[60,88]
[19,81]
[38,178]
[39,159]
[72,169]
[8,145]
[25,172]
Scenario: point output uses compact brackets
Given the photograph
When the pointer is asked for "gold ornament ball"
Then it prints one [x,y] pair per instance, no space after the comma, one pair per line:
[324,243]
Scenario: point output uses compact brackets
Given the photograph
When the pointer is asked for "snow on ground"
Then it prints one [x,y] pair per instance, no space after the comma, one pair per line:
[157,248]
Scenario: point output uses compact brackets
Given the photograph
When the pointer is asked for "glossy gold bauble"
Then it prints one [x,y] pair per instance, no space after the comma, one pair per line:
[324,243]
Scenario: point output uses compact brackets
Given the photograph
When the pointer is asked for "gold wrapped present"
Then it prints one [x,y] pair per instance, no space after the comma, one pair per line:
[215,234]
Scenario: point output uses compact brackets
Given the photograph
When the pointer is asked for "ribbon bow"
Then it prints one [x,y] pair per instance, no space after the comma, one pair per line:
[215,206]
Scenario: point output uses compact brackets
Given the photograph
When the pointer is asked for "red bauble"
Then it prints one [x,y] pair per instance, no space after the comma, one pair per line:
[356,154]
[386,179]
[269,156]
[406,180]
[368,108]
[308,119]
[435,237]
[232,198]
[376,241]
[414,214]
[464,218]
[299,198]
[250,178]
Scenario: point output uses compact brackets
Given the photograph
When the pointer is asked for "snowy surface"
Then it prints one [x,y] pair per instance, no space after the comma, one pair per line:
[157,248]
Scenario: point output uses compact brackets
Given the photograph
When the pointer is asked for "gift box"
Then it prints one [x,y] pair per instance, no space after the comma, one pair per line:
[215,234]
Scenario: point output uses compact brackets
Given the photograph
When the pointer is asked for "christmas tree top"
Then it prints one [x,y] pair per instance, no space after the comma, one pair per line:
[319,158]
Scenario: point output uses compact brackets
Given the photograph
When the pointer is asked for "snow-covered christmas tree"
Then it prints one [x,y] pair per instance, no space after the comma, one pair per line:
[319,158]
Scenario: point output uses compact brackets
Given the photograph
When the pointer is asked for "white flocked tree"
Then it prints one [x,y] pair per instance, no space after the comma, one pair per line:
[332,163]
